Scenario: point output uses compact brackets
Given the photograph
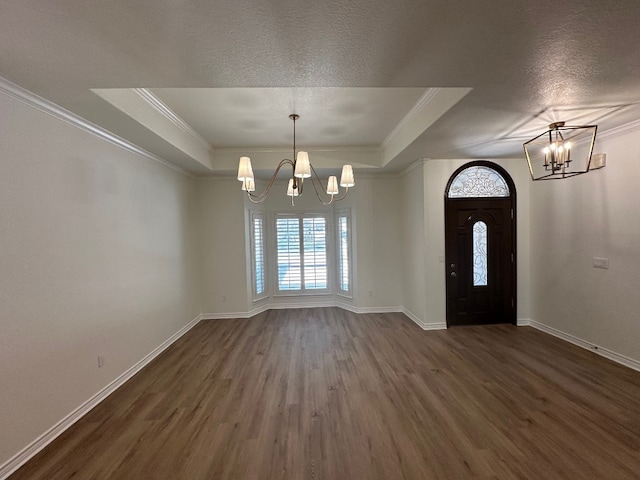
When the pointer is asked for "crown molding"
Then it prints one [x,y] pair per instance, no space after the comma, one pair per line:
[286,150]
[46,106]
[414,165]
[378,175]
[162,108]
[422,102]
[619,130]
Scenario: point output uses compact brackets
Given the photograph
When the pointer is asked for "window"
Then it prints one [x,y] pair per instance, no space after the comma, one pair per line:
[257,251]
[301,243]
[301,254]
[344,252]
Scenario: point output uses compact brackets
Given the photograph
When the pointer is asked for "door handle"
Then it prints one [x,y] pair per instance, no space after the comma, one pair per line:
[454,274]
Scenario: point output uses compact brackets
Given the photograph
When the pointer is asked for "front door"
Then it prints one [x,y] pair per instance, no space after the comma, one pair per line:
[480,256]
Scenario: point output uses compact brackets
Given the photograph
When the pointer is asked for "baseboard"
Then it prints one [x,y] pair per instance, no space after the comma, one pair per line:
[424,325]
[345,306]
[294,305]
[361,310]
[50,435]
[283,306]
[604,352]
[523,322]
[229,315]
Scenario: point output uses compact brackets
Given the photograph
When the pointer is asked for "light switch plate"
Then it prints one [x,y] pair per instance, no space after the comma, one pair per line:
[598,160]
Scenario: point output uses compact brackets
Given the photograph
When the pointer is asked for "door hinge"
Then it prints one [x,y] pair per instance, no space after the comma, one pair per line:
[513,302]
[512,214]
[512,258]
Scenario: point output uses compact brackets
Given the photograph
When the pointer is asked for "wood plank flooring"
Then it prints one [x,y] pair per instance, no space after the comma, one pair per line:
[328,394]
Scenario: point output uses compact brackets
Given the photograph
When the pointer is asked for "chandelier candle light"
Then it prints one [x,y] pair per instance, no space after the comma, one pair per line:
[550,154]
[301,168]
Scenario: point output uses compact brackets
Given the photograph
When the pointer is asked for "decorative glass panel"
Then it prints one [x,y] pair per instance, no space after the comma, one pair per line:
[479,254]
[478,181]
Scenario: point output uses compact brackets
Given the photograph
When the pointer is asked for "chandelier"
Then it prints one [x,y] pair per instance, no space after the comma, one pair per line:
[560,152]
[301,168]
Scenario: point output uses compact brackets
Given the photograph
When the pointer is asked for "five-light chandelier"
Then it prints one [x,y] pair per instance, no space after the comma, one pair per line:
[301,168]
[551,154]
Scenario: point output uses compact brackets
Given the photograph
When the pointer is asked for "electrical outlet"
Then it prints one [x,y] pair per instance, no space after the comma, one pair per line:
[101,360]
[224,298]
[600,262]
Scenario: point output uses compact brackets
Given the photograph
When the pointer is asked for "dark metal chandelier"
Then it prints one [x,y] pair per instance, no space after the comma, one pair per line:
[560,152]
[301,168]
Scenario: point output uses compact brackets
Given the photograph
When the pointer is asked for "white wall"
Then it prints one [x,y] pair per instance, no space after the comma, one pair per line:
[574,220]
[377,220]
[224,280]
[413,242]
[97,256]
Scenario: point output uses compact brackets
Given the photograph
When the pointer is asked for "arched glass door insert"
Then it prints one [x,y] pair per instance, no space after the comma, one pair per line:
[479,254]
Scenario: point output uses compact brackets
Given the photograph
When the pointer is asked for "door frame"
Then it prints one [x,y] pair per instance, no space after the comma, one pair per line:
[513,199]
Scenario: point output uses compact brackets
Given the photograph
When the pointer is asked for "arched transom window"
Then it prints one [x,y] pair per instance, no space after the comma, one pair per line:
[478,181]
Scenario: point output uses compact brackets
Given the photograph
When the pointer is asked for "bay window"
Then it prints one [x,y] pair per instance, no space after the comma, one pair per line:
[309,253]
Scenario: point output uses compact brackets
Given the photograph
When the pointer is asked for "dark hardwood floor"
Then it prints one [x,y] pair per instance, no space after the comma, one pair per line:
[328,394]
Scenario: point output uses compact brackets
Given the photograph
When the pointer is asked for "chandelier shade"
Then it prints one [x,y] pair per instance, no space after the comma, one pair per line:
[301,169]
[248,185]
[560,152]
[245,172]
[346,179]
[332,185]
[292,190]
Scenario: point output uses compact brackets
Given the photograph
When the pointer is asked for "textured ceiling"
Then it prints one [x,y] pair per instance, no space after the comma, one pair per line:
[526,62]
